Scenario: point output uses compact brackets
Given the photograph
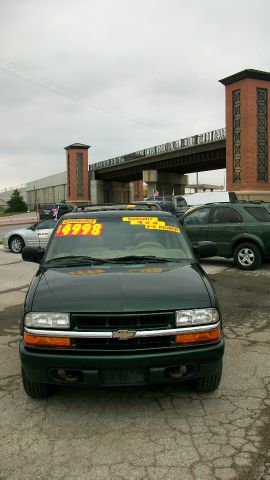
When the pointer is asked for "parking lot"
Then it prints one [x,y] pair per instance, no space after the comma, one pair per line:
[162,432]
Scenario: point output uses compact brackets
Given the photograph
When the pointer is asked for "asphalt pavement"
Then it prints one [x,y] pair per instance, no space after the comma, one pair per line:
[144,433]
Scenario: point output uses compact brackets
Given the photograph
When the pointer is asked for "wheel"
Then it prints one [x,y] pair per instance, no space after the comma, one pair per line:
[35,389]
[16,244]
[247,256]
[210,382]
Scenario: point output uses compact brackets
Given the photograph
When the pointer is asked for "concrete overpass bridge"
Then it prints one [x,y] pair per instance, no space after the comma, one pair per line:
[193,154]
[162,167]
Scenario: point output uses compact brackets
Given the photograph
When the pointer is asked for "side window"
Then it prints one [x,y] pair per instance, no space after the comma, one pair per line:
[226,215]
[46,224]
[260,213]
[197,217]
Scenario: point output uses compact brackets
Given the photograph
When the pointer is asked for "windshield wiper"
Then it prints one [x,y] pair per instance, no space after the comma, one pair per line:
[75,260]
[141,258]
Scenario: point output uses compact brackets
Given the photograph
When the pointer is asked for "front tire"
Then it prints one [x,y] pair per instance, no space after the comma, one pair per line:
[16,244]
[209,383]
[35,390]
[247,256]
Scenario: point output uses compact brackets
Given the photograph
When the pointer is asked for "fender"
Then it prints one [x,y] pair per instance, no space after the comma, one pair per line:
[249,237]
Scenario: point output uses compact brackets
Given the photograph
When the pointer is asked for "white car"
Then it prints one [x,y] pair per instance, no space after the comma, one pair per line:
[35,236]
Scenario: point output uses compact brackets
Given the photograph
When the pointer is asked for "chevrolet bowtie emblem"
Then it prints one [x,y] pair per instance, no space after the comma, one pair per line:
[124,334]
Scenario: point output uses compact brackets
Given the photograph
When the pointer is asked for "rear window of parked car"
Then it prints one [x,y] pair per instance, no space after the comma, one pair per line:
[226,215]
[259,213]
[46,206]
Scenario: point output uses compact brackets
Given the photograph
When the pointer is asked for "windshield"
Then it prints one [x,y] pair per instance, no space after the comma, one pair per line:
[115,237]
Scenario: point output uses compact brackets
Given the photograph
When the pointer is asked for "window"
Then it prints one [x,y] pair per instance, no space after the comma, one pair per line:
[46,224]
[197,217]
[79,163]
[68,175]
[259,213]
[120,238]
[226,215]
[262,135]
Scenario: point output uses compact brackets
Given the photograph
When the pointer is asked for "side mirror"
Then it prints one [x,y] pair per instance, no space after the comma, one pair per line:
[205,249]
[32,254]
[33,227]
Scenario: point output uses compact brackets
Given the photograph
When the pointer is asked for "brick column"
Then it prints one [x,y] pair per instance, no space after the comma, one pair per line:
[77,173]
[247,131]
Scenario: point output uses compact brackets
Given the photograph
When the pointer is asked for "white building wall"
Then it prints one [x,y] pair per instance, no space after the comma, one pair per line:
[43,190]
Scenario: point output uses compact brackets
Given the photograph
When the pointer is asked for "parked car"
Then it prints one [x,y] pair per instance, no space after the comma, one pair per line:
[240,230]
[166,203]
[136,205]
[180,204]
[35,236]
[144,204]
[201,198]
[52,210]
[120,299]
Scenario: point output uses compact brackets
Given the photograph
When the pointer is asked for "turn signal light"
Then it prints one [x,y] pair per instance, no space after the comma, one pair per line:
[42,341]
[201,337]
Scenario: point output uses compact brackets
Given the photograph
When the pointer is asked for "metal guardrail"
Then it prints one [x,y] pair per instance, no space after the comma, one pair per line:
[212,136]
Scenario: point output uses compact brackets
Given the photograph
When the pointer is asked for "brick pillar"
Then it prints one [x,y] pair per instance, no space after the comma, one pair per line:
[77,173]
[247,131]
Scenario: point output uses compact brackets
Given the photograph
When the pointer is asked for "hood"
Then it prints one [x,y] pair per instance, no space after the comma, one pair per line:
[121,288]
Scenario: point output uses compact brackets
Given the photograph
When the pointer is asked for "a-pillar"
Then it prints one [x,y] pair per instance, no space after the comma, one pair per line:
[247,134]
[165,183]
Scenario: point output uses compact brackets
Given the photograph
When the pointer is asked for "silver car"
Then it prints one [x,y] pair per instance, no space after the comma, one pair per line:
[35,236]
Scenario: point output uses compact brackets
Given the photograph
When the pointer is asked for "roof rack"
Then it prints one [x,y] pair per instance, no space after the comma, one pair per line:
[256,202]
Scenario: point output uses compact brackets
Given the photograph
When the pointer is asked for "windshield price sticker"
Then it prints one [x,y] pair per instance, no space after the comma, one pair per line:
[78,229]
[151,223]
[167,228]
[79,220]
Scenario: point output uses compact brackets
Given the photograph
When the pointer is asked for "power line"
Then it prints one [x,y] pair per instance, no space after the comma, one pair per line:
[65,91]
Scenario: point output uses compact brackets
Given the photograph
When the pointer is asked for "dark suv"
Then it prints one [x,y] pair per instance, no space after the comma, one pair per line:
[120,299]
[52,210]
[240,230]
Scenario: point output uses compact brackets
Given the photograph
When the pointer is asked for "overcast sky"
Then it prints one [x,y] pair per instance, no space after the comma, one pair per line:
[119,75]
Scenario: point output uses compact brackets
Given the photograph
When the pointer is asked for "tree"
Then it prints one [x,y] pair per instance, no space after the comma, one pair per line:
[16,202]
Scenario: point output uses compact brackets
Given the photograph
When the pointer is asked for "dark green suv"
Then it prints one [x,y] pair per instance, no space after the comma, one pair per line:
[120,299]
[240,230]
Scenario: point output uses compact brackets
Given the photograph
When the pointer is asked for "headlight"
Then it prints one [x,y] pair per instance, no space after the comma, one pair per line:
[200,316]
[46,320]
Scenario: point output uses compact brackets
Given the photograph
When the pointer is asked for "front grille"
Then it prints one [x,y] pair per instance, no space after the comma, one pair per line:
[142,321]
[132,343]
[113,322]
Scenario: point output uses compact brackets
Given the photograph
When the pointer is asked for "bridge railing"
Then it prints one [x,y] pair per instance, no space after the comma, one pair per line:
[212,136]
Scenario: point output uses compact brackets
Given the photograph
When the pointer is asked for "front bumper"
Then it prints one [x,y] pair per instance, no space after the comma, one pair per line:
[136,368]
